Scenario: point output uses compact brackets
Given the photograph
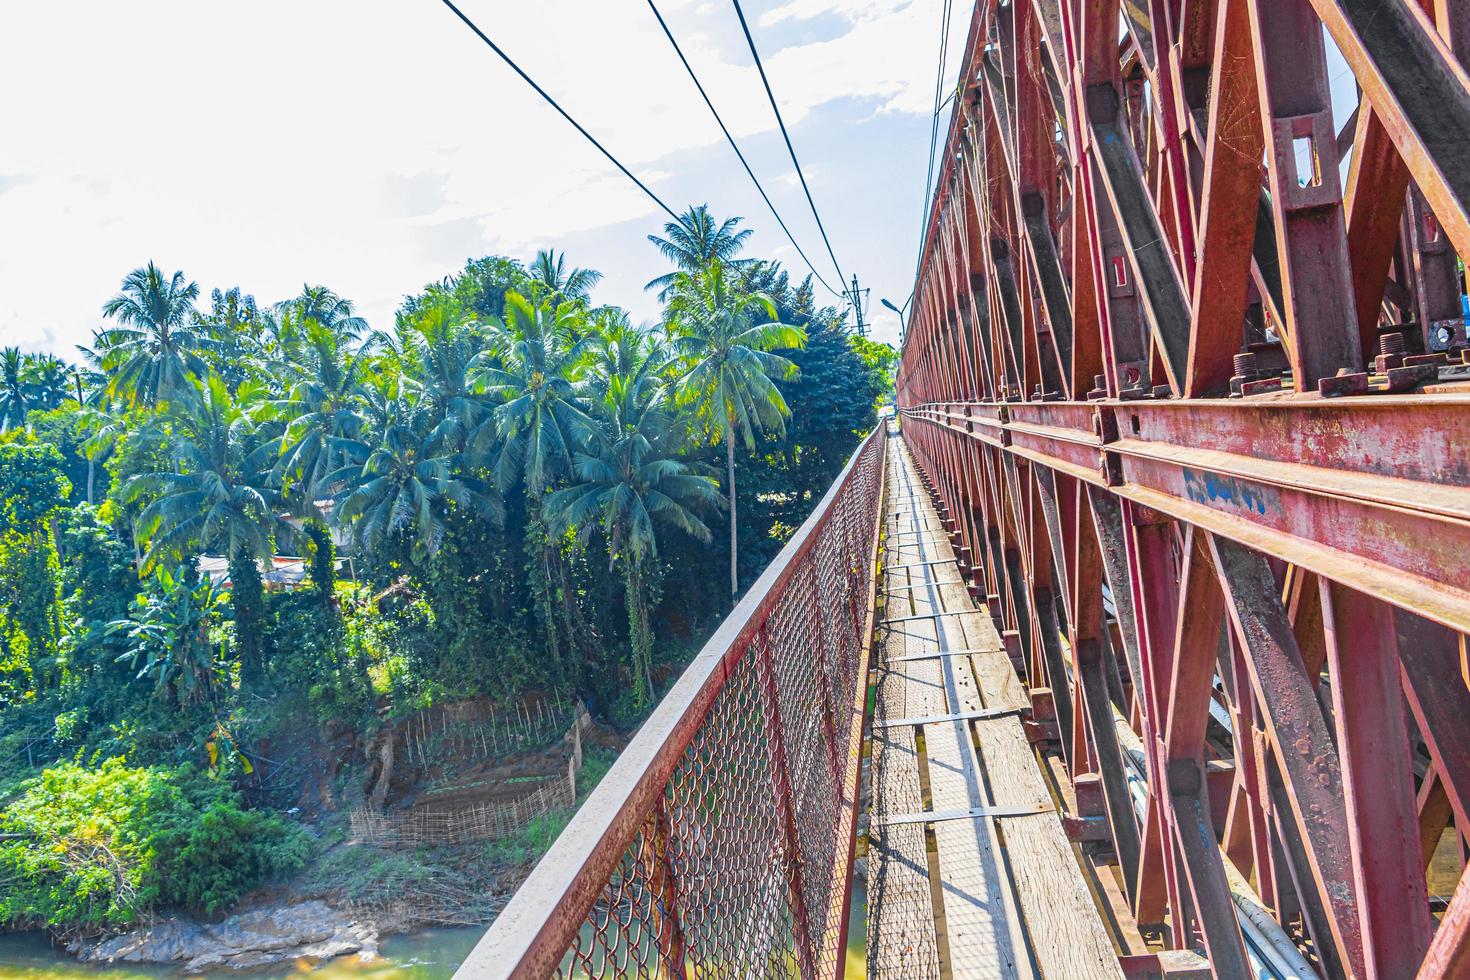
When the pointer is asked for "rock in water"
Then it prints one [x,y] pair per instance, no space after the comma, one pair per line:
[311,930]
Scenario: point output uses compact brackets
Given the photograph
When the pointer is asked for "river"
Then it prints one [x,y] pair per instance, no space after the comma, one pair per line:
[429,954]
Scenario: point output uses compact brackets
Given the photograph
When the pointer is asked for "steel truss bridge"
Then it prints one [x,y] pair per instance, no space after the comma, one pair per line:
[1141,650]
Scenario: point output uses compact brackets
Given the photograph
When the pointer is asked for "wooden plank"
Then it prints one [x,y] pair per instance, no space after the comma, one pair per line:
[1066,930]
[981,921]
[901,939]
[987,890]
[984,939]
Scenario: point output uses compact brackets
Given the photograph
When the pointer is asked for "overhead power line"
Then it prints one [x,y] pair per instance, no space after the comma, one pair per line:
[934,128]
[557,106]
[734,146]
[787,137]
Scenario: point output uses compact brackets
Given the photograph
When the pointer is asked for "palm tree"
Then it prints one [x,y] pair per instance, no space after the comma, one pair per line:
[15,392]
[49,380]
[694,241]
[531,374]
[156,350]
[321,411]
[437,347]
[549,274]
[726,336]
[615,348]
[220,499]
[402,487]
[627,486]
[327,308]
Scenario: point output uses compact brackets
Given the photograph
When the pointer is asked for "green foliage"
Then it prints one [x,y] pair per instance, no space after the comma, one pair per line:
[317,655]
[321,556]
[101,847]
[523,485]
[30,610]
[67,427]
[880,359]
[167,637]
[32,485]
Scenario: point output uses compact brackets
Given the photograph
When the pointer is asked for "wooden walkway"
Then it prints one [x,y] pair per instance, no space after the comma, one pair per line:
[998,894]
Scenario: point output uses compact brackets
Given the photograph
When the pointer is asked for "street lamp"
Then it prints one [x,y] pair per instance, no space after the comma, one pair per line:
[889,303]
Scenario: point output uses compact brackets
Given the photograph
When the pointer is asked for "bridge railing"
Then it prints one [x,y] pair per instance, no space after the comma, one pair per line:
[722,837]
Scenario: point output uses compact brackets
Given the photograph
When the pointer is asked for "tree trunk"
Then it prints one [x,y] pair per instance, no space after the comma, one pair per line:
[541,557]
[91,472]
[639,638]
[730,489]
[247,596]
[322,565]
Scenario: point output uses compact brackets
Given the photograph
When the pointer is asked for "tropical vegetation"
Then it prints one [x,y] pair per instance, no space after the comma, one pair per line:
[226,526]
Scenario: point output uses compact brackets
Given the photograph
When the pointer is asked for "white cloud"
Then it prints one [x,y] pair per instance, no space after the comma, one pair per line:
[374,144]
[849,9]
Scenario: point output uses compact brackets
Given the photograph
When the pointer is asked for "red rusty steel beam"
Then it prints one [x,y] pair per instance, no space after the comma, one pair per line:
[1306,190]
[1373,743]
[1420,91]
[1309,480]
[1198,632]
[1227,231]
[1449,954]
[1202,239]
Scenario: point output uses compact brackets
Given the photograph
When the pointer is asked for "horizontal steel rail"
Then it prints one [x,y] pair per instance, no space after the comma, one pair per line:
[1394,473]
[721,840]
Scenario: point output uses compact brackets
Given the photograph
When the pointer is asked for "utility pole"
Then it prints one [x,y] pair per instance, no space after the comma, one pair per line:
[857,306]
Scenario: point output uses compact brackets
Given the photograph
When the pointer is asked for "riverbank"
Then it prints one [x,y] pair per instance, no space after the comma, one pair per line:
[311,931]
[423,954]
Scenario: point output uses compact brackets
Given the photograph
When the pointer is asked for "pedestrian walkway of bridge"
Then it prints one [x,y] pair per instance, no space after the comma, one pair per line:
[726,840]
[971,873]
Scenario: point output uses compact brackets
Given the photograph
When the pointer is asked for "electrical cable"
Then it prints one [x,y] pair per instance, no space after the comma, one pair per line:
[787,137]
[555,105]
[934,129]
[734,146]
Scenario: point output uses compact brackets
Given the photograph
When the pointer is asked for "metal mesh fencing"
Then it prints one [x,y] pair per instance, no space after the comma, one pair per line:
[720,845]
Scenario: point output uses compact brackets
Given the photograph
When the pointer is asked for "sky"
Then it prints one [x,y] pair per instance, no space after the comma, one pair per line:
[375,145]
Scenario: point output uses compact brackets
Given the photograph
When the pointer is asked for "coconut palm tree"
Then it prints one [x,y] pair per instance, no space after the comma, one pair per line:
[626,487]
[549,274]
[437,346]
[321,410]
[16,396]
[49,379]
[615,348]
[402,487]
[726,335]
[531,375]
[218,499]
[530,372]
[327,308]
[156,349]
[694,241]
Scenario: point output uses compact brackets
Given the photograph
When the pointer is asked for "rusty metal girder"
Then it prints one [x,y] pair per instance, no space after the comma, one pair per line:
[1260,372]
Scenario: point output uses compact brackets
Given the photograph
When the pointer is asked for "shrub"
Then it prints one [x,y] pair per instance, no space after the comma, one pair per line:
[99,847]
